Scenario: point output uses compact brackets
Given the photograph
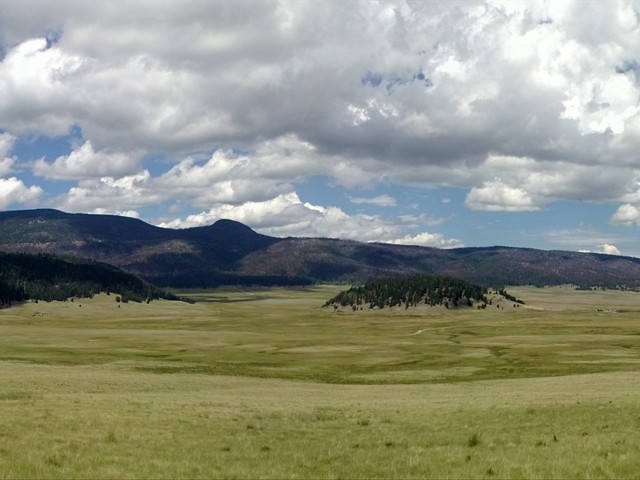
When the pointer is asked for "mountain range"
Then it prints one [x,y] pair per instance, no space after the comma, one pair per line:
[229,252]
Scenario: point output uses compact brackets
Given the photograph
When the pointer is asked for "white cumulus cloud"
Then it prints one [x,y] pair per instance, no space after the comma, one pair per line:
[14,192]
[496,196]
[610,249]
[91,195]
[626,215]
[84,163]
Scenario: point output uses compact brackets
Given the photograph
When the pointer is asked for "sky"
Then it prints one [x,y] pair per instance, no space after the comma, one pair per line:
[435,123]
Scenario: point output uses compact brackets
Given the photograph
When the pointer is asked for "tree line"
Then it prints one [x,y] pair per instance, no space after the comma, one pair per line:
[410,292]
[48,277]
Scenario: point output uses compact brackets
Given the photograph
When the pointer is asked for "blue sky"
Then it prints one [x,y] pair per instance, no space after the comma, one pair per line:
[442,124]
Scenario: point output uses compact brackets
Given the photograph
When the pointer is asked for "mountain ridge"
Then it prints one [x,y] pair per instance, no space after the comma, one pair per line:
[229,252]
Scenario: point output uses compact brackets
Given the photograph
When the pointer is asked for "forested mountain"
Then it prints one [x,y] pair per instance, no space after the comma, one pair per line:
[46,277]
[229,252]
[194,257]
[407,292]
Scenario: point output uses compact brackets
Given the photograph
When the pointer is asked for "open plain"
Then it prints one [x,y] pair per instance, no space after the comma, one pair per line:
[267,384]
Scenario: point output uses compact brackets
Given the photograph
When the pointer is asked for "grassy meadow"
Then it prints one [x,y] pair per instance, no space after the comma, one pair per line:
[267,384]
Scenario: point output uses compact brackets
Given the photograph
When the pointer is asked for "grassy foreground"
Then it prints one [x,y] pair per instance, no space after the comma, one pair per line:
[265,384]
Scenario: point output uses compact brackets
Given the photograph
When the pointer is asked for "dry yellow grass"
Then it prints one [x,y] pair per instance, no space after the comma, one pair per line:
[267,385]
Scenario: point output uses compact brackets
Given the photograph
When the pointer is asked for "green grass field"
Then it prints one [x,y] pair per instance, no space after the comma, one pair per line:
[266,384]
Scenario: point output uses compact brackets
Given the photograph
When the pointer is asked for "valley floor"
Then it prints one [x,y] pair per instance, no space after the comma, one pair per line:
[265,384]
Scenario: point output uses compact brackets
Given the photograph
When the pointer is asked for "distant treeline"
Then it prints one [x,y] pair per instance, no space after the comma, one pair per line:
[410,292]
[47,277]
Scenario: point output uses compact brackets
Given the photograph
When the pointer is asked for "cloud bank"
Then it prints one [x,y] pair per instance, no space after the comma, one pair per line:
[217,109]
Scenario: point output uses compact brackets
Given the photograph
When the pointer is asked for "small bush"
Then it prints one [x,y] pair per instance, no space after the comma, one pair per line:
[473,440]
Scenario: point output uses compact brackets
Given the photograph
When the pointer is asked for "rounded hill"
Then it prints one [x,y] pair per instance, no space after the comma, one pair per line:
[412,291]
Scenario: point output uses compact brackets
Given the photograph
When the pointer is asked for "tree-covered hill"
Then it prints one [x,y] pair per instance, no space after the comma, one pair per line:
[409,292]
[47,277]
